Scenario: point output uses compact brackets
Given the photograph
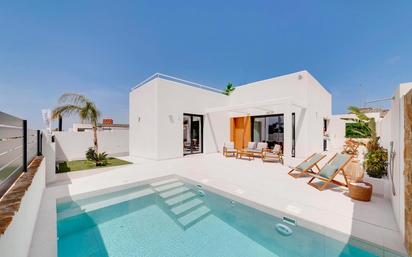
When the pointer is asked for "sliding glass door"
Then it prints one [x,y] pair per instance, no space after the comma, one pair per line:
[192,134]
[268,129]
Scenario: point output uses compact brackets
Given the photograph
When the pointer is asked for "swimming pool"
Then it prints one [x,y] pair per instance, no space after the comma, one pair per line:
[174,218]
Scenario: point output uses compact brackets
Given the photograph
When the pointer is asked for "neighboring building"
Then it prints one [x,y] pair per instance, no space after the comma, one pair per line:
[106,125]
[170,117]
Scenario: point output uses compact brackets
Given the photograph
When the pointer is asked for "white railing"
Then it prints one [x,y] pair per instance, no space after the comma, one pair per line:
[186,82]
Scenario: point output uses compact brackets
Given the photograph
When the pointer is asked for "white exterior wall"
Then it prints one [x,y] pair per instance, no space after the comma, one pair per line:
[15,242]
[73,145]
[175,99]
[143,121]
[303,89]
[390,129]
[319,102]
[161,104]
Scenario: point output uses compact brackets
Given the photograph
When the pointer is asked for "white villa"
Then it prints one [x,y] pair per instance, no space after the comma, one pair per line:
[176,195]
[171,117]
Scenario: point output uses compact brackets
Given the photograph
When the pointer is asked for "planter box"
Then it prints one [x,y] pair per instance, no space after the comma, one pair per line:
[381,186]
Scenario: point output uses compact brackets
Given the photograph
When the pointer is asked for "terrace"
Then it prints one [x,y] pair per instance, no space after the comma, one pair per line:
[265,186]
[161,157]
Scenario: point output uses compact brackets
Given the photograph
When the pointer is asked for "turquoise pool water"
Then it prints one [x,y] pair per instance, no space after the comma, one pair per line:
[177,219]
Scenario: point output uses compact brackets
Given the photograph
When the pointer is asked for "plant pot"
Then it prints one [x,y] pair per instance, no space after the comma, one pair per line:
[380,185]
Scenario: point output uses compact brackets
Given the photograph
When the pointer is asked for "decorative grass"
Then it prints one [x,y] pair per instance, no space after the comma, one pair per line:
[85,165]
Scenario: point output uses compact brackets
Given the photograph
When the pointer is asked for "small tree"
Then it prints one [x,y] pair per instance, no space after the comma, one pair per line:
[229,88]
[71,103]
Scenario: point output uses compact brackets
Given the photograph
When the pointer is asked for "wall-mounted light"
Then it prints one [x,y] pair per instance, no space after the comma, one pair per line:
[171,119]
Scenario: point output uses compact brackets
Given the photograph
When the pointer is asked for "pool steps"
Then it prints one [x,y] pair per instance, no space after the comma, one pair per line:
[180,198]
[178,210]
[168,186]
[174,192]
[163,182]
[102,203]
[194,216]
[182,203]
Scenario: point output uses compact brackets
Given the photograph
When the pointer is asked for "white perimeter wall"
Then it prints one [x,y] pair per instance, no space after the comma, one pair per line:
[391,129]
[72,145]
[49,153]
[337,128]
[15,242]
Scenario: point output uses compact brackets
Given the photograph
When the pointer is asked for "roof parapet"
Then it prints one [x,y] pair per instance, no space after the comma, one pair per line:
[174,79]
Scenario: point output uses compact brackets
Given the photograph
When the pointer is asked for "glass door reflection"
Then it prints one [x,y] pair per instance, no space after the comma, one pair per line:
[192,134]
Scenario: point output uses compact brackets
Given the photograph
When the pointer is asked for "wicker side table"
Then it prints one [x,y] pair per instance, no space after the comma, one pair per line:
[361,191]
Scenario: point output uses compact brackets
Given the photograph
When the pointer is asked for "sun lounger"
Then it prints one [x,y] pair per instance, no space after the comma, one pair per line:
[307,165]
[328,172]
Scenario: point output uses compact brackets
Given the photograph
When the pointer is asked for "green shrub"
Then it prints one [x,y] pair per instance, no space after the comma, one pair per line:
[99,158]
[357,130]
[376,162]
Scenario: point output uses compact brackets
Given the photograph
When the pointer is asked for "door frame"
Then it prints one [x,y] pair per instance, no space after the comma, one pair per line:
[191,115]
[252,123]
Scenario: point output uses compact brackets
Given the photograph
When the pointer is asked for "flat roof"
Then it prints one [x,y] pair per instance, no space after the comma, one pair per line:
[174,79]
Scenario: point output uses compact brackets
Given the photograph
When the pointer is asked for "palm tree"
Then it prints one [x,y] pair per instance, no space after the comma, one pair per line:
[71,103]
[229,88]
[364,126]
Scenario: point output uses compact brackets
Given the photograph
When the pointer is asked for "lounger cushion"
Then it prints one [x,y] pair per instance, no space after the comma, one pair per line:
[340,159]
[328,171]
[261,146]
[312,161]
[272,155]
[334,165]
[229,145]
[304,165]
[251,145]
[277,149]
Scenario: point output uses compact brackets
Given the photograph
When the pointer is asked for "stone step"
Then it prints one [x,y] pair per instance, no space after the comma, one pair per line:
[163,182]
[180,198]
[174,192]
[193,216]
[168,186]
[102,203]
[180,209]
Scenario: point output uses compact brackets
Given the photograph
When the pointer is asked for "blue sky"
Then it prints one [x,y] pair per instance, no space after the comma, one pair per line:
[359,50]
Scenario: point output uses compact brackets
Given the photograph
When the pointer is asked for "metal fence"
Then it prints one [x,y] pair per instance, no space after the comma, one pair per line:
[18,146]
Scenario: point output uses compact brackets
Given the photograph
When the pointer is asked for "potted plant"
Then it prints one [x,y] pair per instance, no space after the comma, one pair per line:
[376,164]
[229,88]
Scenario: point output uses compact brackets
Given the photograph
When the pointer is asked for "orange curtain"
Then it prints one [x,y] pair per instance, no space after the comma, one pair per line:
[240,131]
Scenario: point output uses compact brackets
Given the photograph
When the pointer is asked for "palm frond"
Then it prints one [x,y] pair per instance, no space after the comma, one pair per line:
[360,115]
[73,98]
[65,110]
